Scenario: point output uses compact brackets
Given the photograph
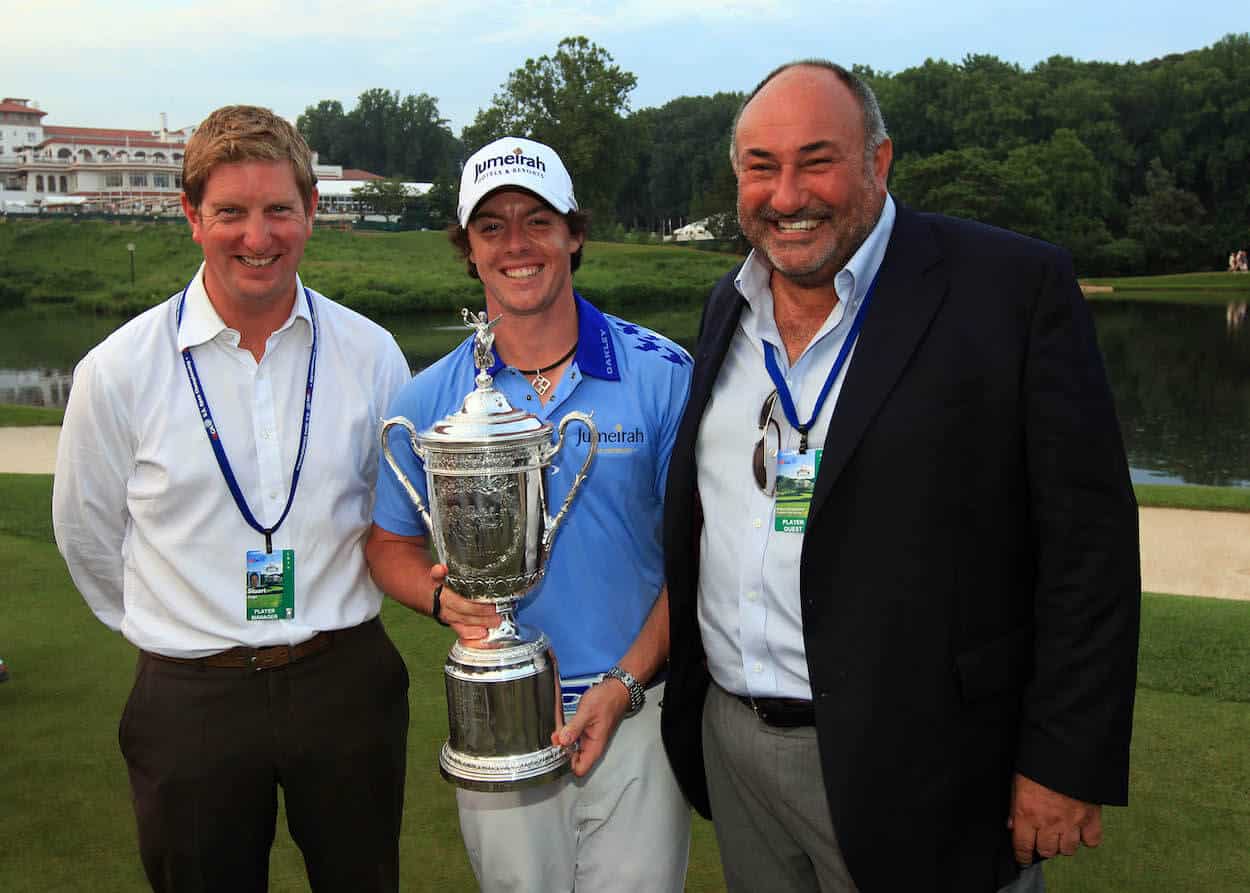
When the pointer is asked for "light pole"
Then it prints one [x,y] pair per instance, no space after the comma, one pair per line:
[130,246]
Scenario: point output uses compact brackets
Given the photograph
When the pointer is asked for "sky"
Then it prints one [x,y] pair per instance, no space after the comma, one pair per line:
[123,63]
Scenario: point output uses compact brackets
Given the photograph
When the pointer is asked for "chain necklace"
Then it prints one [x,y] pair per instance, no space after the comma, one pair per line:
[542,383]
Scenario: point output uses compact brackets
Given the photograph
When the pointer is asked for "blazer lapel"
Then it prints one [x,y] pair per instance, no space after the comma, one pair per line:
[720,320]
[910,289]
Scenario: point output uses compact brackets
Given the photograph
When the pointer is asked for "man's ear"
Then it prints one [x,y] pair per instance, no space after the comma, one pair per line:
[192,214]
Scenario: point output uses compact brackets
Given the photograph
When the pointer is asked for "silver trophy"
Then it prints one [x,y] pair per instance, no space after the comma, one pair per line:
[488,518]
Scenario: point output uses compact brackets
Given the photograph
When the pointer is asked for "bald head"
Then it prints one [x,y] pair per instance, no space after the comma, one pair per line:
[809,187]
[865,100]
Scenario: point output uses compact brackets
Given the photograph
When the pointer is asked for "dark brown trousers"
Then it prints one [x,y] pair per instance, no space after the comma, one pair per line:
[207,749]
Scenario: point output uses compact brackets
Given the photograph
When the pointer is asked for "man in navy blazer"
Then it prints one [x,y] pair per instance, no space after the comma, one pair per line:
[901,539]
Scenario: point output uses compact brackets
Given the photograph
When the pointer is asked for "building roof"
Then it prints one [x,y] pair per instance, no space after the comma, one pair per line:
[12,104]
[138,139]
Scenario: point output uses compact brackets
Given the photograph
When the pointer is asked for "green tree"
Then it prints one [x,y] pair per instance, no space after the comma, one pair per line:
[441,201]
[962,182]
[388,196]
[385,134]
[573,101]
[686,170]
[1166,221]
[324,127]
[422,144]
[1058,191]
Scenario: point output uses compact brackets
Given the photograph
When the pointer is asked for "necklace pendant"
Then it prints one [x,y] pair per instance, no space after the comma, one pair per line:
[541,384]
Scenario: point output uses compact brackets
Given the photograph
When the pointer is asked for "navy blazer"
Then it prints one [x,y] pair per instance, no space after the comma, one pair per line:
[969,582]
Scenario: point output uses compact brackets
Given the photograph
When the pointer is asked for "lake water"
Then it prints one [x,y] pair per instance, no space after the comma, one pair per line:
[1180,373]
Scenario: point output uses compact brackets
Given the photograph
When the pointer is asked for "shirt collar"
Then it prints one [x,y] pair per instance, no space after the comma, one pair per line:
[596,354]
[852,281]
[201,322]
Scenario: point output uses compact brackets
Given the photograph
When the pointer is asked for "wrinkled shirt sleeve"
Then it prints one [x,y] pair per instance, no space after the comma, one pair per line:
[93,463]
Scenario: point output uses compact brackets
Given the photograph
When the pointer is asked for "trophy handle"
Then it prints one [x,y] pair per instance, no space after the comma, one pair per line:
[388,424]
[553,524]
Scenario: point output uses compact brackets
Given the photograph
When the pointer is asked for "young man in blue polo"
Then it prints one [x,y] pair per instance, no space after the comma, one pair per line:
[618,822]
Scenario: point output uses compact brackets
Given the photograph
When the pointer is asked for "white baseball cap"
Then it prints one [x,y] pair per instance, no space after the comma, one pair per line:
[517,162]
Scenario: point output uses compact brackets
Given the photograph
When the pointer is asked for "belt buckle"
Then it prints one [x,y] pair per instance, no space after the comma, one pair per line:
[268,658]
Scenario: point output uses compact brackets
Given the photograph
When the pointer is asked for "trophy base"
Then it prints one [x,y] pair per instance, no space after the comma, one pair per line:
[502,773]
[502,708]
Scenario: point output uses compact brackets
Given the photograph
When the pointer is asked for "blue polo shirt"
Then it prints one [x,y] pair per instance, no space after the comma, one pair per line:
[607,563]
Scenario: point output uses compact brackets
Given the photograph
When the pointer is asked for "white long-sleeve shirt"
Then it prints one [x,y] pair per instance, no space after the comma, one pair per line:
[142,514]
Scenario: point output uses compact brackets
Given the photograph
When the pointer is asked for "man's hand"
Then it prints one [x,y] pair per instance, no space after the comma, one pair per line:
[470,619]
[1049,821]
[598,714]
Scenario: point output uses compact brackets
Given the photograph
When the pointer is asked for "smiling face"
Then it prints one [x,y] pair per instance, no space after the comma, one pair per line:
[252,225]
[523,250]
[807,197]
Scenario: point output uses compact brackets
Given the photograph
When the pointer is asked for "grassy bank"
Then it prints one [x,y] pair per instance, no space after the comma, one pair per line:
[66,814]
[28,416]
[87,265]
[1181,288]
[1207,499]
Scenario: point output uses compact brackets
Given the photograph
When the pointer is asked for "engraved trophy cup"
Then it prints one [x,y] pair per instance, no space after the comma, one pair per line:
[484,471]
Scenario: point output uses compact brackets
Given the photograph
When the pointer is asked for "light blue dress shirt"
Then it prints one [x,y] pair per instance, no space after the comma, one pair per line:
[606,566]
[749,609]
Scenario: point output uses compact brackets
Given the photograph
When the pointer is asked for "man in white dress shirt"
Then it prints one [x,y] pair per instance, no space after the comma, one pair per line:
[213,487]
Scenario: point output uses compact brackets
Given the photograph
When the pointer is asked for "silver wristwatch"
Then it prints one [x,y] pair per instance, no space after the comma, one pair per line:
[637,694]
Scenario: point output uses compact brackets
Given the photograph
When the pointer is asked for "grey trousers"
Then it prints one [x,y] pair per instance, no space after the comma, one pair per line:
[768,802]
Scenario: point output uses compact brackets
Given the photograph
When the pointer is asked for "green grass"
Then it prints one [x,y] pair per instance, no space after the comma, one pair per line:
[1197,647]
[1212,499]
[27,416]
[65,812]
[1187,826]
[26,508]
[1186,288]
[86,265]
[66,815]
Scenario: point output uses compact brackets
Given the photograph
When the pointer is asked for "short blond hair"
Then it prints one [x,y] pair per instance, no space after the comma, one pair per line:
[236,133]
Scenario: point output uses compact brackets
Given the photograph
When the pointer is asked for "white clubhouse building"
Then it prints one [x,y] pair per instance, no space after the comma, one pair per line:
[51,168]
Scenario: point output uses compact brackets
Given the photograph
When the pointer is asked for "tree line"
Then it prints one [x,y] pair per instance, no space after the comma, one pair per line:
[1134,167]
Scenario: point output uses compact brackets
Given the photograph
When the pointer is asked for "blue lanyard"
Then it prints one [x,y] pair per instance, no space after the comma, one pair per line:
[783,391]
[210,429]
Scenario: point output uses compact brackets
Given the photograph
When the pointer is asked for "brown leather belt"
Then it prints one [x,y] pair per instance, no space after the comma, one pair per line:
[243,658]
[781,713]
